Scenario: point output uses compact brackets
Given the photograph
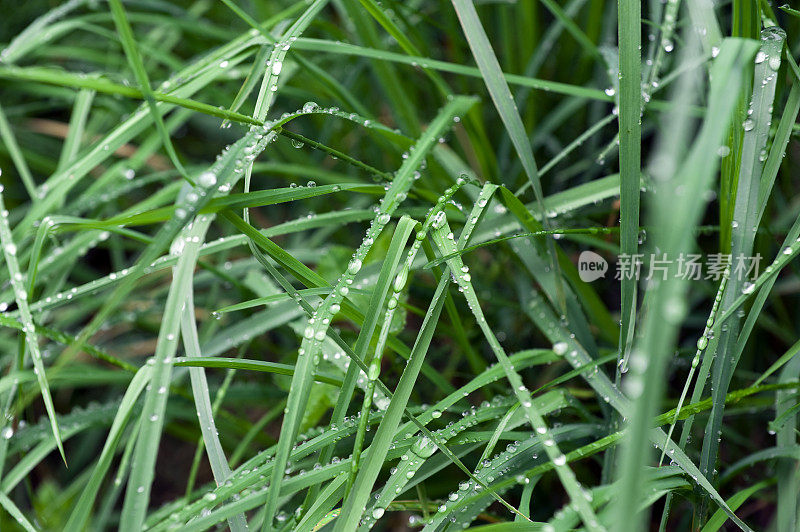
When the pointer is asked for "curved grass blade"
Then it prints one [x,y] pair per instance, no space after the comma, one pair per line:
[250,365]
[191,345]
[504,103]
[26,318]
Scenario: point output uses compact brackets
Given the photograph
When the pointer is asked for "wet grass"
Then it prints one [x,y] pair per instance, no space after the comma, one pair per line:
[314,265]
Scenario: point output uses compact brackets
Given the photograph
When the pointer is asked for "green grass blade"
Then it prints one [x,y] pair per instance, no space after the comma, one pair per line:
[630,153]
[26,318]
[81,512]
[132,53]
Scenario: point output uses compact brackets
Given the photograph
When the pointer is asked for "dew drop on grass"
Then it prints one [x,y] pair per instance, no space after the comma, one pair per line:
[748,124]
[277,66]
[377,513]
[374,371]
[560,348]
[702,343]
[354,266]
[760,57]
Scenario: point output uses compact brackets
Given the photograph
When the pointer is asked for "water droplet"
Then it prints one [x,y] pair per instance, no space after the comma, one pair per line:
[354,266]
[207,179]
[702,343]
[401,279]
[560,348]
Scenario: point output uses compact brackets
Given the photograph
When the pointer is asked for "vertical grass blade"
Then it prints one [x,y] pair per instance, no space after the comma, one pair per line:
[630,155]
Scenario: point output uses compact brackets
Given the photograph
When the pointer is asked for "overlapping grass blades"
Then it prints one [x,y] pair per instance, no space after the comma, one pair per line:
[745,221]
[644,383]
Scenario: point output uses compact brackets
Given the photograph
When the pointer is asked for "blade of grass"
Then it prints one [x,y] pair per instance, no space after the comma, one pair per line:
[504,103]
[441,236]
[630,153]
[26,318]
[137,65]
[81,511]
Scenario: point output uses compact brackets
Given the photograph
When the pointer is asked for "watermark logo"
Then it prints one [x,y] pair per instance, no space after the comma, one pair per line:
[591,266]
[658,266]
